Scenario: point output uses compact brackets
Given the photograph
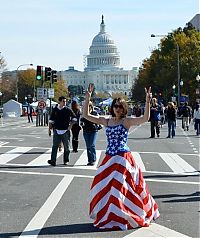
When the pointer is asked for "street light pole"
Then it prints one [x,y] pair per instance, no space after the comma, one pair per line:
[17,91]
[178,66]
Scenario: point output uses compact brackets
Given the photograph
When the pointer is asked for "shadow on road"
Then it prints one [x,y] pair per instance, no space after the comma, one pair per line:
[84,228]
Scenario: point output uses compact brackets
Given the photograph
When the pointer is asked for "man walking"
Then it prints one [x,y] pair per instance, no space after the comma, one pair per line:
[186,115]
[30,112]
[61,121]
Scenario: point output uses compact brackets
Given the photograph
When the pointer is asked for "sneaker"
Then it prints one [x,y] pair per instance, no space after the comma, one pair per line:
[90,163]
[51,162]
[66,163]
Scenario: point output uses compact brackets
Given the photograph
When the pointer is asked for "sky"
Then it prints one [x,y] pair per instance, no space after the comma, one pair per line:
[58,33]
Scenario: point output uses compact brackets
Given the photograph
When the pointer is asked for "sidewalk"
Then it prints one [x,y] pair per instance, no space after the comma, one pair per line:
[12,121]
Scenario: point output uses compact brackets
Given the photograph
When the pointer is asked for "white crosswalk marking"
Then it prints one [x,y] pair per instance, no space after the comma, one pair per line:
[176,163]
[84,160]
[3,143]
[138,160]
[42,159]
[12,154]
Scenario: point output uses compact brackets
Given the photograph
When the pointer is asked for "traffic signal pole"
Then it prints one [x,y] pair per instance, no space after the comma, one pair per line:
[50,97]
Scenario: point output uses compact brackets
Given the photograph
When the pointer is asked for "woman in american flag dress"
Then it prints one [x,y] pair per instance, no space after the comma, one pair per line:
[119,195]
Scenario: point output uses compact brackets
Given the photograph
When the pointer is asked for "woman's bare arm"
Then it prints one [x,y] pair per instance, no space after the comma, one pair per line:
[139,120]
[95,119]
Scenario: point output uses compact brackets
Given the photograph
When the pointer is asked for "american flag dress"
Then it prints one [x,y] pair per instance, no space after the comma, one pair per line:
[119,195]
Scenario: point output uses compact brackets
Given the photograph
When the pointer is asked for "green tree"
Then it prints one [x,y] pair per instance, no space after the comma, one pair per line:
[60,89]
[160,70]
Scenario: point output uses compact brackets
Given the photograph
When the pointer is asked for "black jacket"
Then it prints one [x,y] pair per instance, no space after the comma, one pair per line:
[171,114]
[89,126]
[61,118]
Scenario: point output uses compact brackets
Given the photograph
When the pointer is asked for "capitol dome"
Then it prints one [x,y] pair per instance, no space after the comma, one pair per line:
[103,52]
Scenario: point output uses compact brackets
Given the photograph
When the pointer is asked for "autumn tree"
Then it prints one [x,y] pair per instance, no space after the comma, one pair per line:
[160,70]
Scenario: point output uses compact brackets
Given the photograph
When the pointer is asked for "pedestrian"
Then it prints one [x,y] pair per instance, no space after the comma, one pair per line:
[30,113]
[171,119]
[138,111]
[76,126]
[90,130]
[61,120]
[186,115]
[154,118]
[197,119]
[119,195]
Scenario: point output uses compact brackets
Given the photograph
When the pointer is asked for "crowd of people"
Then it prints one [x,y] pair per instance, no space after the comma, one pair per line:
[65,121]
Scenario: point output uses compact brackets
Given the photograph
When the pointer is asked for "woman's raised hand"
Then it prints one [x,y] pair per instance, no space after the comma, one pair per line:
[148,94]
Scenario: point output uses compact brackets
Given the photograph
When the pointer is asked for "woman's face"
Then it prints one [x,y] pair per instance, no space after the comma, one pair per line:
[118,109]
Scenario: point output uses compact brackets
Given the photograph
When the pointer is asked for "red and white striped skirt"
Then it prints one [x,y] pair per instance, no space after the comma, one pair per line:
[119,196]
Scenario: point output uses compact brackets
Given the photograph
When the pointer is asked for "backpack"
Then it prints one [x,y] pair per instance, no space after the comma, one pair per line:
[186,111]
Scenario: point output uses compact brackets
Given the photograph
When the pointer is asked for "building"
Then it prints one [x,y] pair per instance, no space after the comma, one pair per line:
[102,67]
[196,21]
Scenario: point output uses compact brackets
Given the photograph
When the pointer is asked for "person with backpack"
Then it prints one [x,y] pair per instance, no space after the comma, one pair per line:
[186,115]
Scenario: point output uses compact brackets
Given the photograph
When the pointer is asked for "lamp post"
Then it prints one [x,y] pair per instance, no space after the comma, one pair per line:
[198,89]
[0,97]
[17,91]
[178,66]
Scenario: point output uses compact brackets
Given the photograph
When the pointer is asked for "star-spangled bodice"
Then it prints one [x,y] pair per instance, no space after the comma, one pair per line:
[117,137]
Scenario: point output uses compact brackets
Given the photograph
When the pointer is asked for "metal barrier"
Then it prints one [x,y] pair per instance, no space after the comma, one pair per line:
[42,119]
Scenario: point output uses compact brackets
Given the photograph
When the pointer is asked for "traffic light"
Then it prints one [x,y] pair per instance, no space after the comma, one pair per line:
[54,76]
[39,73]
[47,73]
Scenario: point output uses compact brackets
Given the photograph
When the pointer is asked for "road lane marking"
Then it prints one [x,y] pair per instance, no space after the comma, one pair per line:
[3,143]
[155,230]
[41,160]
[12,154]
[92,176]
[138,160]
[83,159]
[176,163]
[37,222]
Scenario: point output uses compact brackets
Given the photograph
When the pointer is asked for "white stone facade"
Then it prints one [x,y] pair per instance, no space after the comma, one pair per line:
[102,68]
[196,21]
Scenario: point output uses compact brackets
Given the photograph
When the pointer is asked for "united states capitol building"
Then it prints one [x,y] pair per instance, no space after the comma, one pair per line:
[102,67]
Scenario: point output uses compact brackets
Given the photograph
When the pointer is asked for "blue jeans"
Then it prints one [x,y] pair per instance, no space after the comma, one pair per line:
[90,141]
[65,138]
[171,128]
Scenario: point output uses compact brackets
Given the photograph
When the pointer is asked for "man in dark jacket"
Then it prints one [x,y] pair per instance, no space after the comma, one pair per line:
[61,121]
[186,113]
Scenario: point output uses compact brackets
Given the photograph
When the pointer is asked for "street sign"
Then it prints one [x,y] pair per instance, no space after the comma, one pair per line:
[50,92]
[42,94]
[42,104]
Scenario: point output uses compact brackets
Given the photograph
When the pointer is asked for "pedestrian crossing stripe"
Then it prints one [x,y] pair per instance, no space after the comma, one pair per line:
[175,163]
[3,143]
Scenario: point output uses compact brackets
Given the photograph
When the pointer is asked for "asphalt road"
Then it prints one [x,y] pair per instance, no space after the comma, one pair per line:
[39,200]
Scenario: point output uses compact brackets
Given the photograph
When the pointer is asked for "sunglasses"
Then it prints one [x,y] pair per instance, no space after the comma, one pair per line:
[118,106]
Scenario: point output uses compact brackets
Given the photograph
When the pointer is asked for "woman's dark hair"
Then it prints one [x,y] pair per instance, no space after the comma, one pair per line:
[122,102]
[75,105]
